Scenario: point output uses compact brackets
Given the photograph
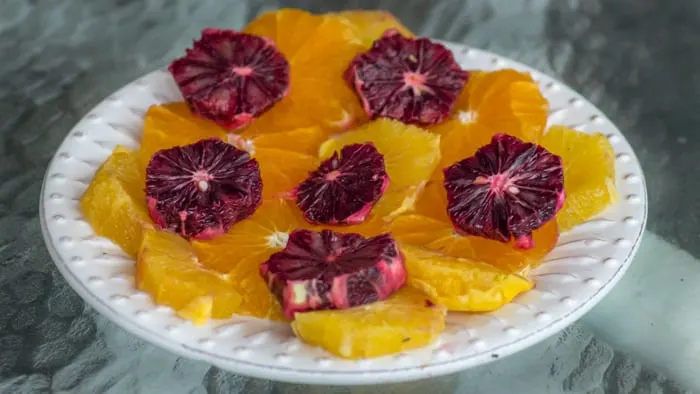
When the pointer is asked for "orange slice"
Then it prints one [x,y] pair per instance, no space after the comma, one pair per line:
[410,156]
[589,173]
[371,25]
[407,320]
[318,49]
[115,203]
[284,157]
[168,269]
[504,101]
[248,244]
[461,284]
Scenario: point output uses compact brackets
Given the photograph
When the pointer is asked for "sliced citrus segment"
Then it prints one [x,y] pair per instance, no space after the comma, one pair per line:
[115,203]
[372,24]
[441,237]
[173,124]
[504,101]
[168,269]
[318,51]
[247,245]
[410,157]
[283,170]
[198,311]
[407,320]
[461,284]
[589,173]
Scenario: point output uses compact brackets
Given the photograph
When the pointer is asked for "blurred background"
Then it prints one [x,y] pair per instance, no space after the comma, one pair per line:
[60,58]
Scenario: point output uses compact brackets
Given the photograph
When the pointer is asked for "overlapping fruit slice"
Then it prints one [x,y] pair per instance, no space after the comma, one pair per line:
[589,173]
[461,284]
[410,156]
[318,48]
[284,157]
[248,244]
[503,101]
[371,25]
[505,191]
[407,320]
[231,77]
[168,269]
[200,190]
[416,81]
[430,227]
[115,203]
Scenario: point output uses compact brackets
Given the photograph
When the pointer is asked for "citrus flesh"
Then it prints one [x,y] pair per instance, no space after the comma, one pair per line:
[318,48]
[503,101]
[589,173]
[372,24]
[410,157]
[461,284]
[168,269]
[115,203]
[407,320]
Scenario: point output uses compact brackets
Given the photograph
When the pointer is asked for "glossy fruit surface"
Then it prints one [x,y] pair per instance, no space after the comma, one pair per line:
[115,203]
[506,190]
[407,320]
[461,284]
[441,237]
[329,270]
[492,102]
[371,24]
[200,190]
[589,173]
[318,48]
[345,186]
[168,270]
[416,81]
[410,156]
[230,77]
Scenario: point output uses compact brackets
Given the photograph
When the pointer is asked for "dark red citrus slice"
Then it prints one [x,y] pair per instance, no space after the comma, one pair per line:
[506,190]
[413,80]
[200,190]
[329,270]
[344,187]
[230,77]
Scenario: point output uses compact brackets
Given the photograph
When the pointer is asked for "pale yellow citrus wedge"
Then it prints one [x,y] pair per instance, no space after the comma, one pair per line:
[405,321]
[589,173]
[168,269]
[461,284]
[115,202]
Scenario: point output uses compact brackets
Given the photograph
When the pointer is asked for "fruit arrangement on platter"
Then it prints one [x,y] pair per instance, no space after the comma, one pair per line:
[338,173]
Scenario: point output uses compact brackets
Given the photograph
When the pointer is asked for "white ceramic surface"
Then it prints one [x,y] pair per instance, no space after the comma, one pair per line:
[584,266]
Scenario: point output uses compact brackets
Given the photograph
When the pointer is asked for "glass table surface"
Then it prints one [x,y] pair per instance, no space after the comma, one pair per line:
[638,60]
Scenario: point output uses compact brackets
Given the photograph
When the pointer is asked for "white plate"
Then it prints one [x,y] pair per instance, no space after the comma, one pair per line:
[584,266]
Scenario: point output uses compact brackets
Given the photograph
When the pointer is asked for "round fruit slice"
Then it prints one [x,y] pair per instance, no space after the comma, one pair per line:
[415,81]
[114,205]
[440,236]
[329,270]
[410,156]
[407,320]
[318,49]
[506,190]
[461,284]
[168,269]
[493,102]
[248,244]
[173,124]
[589,173]
[371,25]
[230,77]
[344,187]
[200,190]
